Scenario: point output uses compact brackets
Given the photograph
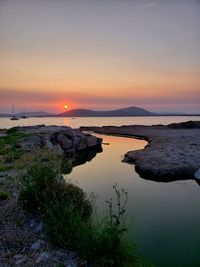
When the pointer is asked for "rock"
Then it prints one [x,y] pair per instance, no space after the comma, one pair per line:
[197,174]
[68,131]
[131,156]
[40,228]
[37,245]
[42,258]
[76,141]
[47,143]
[61,139]
[64,142]
[1,246]
[58,150]
[30,143]
[172,153]
[19,259]
[82,144]
[91,141]
[32,223]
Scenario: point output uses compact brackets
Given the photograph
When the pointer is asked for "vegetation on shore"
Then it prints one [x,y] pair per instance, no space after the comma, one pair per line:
[67,212]
[4,195]
[10,149]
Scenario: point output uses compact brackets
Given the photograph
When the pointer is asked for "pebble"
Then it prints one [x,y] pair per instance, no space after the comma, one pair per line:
[37,245]
[197,174]
[19,259]
[42,257]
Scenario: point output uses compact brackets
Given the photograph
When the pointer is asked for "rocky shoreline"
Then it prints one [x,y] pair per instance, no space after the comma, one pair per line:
[22,236]
[62,140]
[172,152]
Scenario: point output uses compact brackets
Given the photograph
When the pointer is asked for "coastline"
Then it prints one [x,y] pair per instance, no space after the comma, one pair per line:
[22,235]
[172,152]
[168,148]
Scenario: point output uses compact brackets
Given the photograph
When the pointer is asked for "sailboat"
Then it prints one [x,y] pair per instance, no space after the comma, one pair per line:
[23,114]
[13,117]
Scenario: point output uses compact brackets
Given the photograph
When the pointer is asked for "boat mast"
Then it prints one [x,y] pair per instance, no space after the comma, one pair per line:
[13,112]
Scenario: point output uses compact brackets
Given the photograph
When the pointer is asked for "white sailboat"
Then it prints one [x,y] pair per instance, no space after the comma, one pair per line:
[13,117]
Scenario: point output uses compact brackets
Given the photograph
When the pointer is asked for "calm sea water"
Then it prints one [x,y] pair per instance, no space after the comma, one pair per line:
[166,216]
[95,121]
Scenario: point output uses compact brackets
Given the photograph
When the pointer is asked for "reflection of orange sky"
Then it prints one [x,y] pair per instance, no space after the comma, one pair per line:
[121,143]
[66,121]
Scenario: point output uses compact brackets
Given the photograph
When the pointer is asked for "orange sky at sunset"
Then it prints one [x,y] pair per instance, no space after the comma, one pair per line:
[100,55]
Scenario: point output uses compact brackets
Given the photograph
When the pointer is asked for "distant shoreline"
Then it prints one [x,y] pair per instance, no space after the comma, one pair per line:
[122,112]
[57,116]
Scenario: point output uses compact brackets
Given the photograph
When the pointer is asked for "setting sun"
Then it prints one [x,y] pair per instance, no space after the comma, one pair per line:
[66,106]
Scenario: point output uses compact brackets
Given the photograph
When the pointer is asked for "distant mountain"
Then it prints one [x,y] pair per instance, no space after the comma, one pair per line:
[131,111]
[30,114]
[2,115]
[36,114]
[124,112]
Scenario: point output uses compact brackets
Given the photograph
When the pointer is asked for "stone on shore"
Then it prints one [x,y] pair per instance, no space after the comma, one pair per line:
[197,174]
[60,139]
[172,152]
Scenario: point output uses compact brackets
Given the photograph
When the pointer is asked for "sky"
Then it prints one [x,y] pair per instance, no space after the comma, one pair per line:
[100,54]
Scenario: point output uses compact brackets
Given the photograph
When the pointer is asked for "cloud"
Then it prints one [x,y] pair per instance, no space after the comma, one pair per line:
[146,6]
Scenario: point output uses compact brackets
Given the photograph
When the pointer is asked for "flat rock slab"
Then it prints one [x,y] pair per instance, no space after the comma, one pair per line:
[172,152]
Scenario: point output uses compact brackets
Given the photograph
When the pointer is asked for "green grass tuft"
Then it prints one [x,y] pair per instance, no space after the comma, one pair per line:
[69,216]
[4,195]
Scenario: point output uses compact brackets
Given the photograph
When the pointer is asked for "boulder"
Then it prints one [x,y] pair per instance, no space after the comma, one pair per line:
[64,142]
[61,139]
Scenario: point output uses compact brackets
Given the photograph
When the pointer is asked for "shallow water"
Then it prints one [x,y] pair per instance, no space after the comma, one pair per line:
[166,216]
[95,121]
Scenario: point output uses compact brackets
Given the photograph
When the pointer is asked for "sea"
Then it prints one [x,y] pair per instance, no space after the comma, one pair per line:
[163,218]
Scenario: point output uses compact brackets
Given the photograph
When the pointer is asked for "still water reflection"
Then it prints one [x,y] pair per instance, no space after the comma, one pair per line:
[166,215]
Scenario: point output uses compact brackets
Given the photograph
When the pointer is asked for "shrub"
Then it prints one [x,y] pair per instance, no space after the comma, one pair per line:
[42,187]
[12,130]
[36,178]
[9,145]
[67,213]
[4,195]
[102,243]
[4,168]
[107,244]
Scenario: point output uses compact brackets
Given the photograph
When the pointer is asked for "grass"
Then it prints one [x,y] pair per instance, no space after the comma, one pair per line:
[5,168]
[4,195]
[69,213]
[9,147]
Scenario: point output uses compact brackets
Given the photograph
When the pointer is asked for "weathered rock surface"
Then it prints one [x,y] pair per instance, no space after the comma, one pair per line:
[172,153]
[197,174]
[23,243]
[61,139]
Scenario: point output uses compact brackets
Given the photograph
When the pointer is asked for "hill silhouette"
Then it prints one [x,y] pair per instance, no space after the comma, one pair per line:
[130,111]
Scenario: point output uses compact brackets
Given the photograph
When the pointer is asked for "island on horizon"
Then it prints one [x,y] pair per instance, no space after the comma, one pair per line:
[122,112]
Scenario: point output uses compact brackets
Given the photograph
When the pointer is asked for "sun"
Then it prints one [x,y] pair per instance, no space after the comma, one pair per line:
[66,106]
